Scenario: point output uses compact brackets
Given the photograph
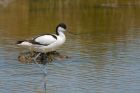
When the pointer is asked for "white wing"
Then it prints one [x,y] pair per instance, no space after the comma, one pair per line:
[45,39]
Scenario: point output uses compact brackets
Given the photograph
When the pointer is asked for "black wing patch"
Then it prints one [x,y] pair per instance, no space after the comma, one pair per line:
[37,43]
[54,36]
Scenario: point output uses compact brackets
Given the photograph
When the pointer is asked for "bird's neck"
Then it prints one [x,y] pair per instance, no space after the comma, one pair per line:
[60,33]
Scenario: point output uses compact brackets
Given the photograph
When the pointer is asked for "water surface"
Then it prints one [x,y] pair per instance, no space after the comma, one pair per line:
[105,52]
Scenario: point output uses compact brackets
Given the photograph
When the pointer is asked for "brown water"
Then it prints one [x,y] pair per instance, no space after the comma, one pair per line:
[105,52]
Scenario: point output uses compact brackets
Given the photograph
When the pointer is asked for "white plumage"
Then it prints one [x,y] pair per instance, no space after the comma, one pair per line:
[45,39]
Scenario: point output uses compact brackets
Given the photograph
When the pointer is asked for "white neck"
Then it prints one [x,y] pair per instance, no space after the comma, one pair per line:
[60,33]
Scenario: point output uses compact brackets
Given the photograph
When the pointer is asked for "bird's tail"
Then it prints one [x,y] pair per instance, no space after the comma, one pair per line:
[24,43]
[19,42]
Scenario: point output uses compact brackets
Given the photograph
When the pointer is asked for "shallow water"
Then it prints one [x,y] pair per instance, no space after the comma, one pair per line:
[105,50]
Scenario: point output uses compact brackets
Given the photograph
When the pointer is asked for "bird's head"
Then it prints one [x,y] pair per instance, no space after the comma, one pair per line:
[61,27]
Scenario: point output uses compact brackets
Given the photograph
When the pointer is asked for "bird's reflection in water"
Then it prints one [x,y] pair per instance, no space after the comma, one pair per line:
[44,59]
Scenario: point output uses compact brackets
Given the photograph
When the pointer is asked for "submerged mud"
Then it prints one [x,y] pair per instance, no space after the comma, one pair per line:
[43,58]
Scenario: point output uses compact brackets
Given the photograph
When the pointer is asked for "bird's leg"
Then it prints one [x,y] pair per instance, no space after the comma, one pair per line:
[35,60]
[43,57]
[43,69]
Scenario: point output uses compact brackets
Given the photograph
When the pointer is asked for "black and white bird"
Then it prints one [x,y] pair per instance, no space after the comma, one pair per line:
[46,43]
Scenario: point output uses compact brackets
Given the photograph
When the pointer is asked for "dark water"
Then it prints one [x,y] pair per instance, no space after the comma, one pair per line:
[105,52]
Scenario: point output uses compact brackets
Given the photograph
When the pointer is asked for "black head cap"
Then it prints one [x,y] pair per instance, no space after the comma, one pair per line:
[62,25]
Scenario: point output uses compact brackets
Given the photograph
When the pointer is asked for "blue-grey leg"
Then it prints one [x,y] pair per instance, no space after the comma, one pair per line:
[43,69]
[35,60]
